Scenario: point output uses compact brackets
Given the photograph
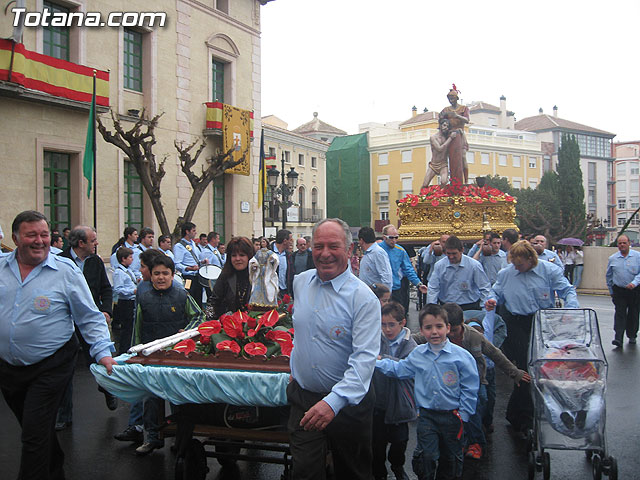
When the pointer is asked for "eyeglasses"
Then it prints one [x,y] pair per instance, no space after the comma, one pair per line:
[393,237]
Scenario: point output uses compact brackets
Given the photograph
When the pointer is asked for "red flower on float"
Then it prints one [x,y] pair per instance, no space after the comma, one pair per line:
[270,318]
[205,340]
[286,298]
[508,198]
[241,317]
[415,201]
[278,336]
[435,203]
[291,331]
[228,345]
[209,328]
[232,326]
[478,200]
[493,200]
[255,348]
[286,348]
[290,309]
[185,346]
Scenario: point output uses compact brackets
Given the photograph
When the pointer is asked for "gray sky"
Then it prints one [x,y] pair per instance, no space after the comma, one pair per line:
[357,61]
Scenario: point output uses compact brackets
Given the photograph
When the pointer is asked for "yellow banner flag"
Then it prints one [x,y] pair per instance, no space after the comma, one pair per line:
[236,134]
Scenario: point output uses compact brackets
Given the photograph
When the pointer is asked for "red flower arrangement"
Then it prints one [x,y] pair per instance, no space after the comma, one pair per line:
[436,194]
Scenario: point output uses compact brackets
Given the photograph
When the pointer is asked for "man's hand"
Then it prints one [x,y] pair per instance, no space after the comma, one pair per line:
[108,363]
[453,135]
[107,317]
[490,304]
[317,417]
[192,268]
[631,286]
[423,289]
[526,378]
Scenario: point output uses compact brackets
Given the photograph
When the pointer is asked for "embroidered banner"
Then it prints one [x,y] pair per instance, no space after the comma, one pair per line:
[236,134]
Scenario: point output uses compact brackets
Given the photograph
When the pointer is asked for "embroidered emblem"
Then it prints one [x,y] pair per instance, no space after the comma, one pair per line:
[464,286]
[41,303]
[173,309]
[450,378]
[336,332]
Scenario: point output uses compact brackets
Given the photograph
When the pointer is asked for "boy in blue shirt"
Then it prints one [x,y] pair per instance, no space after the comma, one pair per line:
[124,295]
[446,389]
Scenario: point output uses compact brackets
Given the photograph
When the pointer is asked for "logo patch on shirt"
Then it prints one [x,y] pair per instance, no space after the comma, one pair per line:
[464,286]
[450,378]
[41,303]
[336,332]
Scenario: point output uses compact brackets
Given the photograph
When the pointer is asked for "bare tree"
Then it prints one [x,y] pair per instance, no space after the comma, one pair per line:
[137,144]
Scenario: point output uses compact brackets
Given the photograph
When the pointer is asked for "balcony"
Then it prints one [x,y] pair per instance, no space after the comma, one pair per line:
[382,198]
[403,193]
[273,214]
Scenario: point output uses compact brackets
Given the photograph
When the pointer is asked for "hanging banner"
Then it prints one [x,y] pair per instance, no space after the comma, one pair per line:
[236,133]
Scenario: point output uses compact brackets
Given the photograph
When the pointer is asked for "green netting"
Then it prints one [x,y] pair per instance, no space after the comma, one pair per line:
[348,180]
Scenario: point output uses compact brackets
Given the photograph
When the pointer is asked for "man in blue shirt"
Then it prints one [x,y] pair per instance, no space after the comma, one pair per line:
[129,239]
[623,278]
[187,260]
[458,279]
[210,251]
[491,257]
[282,245]
[400,267]
[374,264]
[43,295]
[539,243]
[337,322]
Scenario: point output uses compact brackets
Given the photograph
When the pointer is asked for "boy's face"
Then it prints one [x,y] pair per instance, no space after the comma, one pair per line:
[391,327]
[161,277]
[434,329]
[165,244]
[126,261]
[456,331]
[144,271]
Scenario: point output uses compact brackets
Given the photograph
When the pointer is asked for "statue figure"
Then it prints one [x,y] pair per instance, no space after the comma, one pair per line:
[440,142]
[458,116]
[264,278]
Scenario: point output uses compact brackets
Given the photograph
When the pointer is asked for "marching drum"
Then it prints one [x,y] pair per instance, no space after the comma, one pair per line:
[208,274]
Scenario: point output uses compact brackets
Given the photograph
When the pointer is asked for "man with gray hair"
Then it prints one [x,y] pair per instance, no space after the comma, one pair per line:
[337,323]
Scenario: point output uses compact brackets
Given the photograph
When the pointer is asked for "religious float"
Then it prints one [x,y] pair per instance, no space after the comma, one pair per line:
[466,211]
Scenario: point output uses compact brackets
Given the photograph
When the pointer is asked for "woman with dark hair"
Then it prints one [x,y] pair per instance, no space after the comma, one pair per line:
[233,288]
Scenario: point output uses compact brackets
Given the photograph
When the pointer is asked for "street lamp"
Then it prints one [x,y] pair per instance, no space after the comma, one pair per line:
[281,194]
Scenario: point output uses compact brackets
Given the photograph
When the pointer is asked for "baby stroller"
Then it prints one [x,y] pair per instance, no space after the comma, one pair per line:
[568,369]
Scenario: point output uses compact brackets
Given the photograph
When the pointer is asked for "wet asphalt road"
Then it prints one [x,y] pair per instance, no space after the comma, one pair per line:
[92,453]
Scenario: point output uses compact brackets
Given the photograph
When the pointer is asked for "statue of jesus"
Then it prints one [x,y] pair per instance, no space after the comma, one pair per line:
[458,116]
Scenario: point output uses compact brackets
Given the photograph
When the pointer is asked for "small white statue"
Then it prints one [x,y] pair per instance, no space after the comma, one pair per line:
[263,273]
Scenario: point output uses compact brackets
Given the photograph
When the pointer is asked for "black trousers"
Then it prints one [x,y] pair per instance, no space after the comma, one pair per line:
[516,347]
[123,315]
[627,303]
[195,290]
[348,437]
[396,436]
[402,295]
[33,393]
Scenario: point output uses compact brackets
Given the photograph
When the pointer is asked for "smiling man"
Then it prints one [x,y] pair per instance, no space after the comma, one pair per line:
[43,296]
[337,323]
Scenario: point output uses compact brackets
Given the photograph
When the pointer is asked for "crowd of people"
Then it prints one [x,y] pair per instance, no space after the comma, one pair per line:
[358,374]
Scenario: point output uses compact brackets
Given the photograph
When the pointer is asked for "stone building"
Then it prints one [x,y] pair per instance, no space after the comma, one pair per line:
[627,187]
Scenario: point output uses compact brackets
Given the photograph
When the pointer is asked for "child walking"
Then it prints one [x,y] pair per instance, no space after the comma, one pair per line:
[125,286]
[446,389]
[395,403]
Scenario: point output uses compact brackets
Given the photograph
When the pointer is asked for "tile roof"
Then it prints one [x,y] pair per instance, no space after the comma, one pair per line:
[421,117]
[548,122]
[483,106]
[316,126]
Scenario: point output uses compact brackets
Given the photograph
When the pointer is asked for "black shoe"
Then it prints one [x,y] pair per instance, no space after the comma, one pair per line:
[147,447]
[62,426]
[110,400]
[567,420]
[632,341]
[616,343]
[130,434]
[581,418]
[400,473]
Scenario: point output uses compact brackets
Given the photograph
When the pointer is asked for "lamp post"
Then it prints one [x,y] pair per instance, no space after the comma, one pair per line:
[284,190]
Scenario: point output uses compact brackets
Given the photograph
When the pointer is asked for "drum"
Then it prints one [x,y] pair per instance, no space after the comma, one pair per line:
[208,274]
[178,277]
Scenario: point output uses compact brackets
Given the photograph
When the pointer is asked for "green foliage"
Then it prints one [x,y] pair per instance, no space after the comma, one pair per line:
[571,191]
[501,183]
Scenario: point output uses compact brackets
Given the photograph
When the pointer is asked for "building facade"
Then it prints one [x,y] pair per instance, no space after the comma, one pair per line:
[205,52]
[627,187]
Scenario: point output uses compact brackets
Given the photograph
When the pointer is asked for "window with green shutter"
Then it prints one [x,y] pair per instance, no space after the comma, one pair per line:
[132,60]
[218,206]
[57,190]
[217,74]
[55,41]
[132,197]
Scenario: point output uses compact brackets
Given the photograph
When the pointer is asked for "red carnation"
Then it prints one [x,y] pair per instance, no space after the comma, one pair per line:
[255,348]
[415,201]
[290,308]
[478,200]
[493,200]
[205,339]
[286,298]
[185,346]
[228,345]
[508,198]
[435,203]
[209,328]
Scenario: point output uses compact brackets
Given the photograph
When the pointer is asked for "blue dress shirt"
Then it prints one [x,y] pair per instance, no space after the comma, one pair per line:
[399,260]
[443,381]
[460,283]
[337,338]
[38,314]
[135,266]
[183,258]
[527,292]
[375,267]
[492,264]
[282,267]
[124,283]
[212,255]
[430,259]
[550,256]
[622,271]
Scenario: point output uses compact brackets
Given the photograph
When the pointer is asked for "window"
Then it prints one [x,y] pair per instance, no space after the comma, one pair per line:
[621,169]
[301,202]
[301,160]
[314,204]
[132,66]
[287,156]
[621,186]
[484,158]
[547,163]
[383,189]
[314,162]
[470,158]
[532,162]
[502,160]
[222,5]
[634,186]
[383,159]
[217,79]
[407,185]
[57,190]
[591,195]
[406,156]
[218,206]
[622,203]
[272,152]
[384,214]
[635,220]
[133,210]
[516,161]
[516,184]
[635,203]
[591,172]
[634,169]
[533,184]
[622,219]
[55,41]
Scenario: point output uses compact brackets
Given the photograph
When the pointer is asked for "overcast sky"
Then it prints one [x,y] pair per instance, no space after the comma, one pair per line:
[358,61]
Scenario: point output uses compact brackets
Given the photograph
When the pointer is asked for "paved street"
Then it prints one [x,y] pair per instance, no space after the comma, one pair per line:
[91,452]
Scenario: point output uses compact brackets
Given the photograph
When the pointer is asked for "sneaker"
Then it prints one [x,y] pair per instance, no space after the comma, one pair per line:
[147,447]
[110,400]
[474,451]
[616,343]
[130,434]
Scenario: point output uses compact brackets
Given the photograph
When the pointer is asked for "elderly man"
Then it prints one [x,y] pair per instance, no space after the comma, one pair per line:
[458,279]
[539,243]
[623,278]
[523,288]
[337,324]
[399,260]
[374,264]
[302,259]
[43,296]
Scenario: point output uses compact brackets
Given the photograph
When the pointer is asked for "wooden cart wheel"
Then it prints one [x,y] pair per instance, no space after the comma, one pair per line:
[596,467]
[546,466]
[195,462]
[531,465]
